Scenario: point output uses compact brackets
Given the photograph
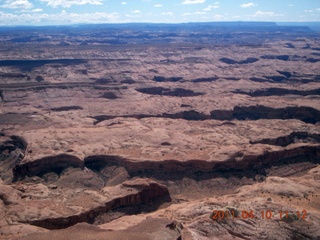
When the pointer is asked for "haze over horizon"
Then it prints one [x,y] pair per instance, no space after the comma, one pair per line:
[64,12]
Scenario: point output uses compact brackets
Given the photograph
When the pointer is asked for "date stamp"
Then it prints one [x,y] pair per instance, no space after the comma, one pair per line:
[232,213]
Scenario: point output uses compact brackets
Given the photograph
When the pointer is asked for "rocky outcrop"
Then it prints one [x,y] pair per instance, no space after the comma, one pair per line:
[242,215]
[185,106]
[290,45]
[210,79]
[256,79]
[278,57]
[237,162]
[165,79]
[12,151]
[9,195]
[148,190]
[285,79]
[149,229]
[290,58]
[190,115]
[128,81]
[128,193]
[39,79]
[255,227]
[313,60]
[276,78]
[103,80]
[109,95]
[307,78]
[286,74]
[101,118]
[177,92]
[98,162]
[66,108]
[232,78]
[293,137]
[305,114]
[278,92]
[246,61]
[16,141]
[46,164]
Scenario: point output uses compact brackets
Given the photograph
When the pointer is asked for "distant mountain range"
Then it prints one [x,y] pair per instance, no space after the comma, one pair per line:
[262,26]
[159,33]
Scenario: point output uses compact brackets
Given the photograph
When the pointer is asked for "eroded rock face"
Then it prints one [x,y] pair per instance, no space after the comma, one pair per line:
[246,61]
[292,138]
[109,95]
[164,79]
[190,115]
[66,108]
[210,79]
[279,92]
[12,151]
[306,114]
[155,228]
[247,218]
[278,57]
[178,92]
[22,202]
[47,164]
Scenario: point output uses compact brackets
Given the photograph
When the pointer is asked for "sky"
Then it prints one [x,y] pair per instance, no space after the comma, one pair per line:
[65,12]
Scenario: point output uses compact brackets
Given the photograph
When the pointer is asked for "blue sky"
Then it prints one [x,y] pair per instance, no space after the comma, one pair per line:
[57,12]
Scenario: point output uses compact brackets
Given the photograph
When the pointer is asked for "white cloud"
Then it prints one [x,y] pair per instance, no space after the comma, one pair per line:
[193,1]
[290,5]
[312,10]
[69,3]
[266,14]
[24,4]
[210,7]
[59,18]
[37,10]
[167,13]
[136,11]
[248,5]
[124,3]
[158,5]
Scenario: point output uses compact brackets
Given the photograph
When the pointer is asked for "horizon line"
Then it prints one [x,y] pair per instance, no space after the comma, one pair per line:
[167,23]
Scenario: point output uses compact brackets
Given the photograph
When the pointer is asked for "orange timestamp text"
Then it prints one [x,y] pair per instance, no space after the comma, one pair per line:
[264,214]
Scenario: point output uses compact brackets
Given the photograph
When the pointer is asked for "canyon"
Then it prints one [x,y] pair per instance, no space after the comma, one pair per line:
[143,131]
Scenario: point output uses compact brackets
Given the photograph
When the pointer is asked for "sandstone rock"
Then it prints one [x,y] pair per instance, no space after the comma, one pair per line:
[8,195]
